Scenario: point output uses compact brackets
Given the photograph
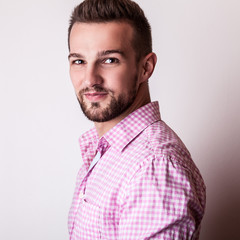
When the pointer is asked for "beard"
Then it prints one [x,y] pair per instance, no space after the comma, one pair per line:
[117,105]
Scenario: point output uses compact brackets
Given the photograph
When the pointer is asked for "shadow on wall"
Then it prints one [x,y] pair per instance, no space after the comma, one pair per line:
[226,220]
[222,218]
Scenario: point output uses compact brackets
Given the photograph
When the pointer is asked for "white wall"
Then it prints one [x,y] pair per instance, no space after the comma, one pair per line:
[197,82]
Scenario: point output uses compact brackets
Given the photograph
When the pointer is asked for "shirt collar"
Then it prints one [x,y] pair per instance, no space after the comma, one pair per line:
[131,126]
[120,135]
[88,145]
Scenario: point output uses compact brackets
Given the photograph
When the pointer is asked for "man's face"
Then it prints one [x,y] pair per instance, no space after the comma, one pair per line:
[103,68]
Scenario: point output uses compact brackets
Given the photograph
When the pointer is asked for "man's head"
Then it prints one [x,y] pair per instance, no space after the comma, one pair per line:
[103,11]
[109,64]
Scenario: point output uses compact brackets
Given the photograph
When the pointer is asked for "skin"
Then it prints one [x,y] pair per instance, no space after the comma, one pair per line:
[103,69]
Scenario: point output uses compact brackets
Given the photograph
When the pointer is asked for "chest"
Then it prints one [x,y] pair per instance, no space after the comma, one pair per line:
[101,193]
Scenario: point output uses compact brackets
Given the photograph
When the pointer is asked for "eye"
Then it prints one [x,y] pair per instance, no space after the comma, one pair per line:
[110,60]
[78,62]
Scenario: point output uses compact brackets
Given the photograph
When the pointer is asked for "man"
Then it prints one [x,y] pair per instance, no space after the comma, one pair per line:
[138,180]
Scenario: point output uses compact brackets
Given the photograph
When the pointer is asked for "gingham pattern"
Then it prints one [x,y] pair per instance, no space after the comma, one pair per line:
[145,185]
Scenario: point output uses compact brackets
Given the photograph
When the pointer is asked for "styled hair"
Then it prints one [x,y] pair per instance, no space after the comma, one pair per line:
[103,11]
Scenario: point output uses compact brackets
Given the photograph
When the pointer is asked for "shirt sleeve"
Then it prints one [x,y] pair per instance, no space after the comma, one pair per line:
[162,202]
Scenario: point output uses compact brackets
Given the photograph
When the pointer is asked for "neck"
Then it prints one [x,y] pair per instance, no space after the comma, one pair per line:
[142,98]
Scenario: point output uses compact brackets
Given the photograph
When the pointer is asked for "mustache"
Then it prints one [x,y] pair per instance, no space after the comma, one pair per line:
[95,89]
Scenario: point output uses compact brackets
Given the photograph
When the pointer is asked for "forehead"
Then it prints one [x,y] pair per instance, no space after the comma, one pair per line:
[101,36]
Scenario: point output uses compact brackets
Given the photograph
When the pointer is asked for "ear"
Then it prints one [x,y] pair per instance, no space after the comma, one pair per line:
[148,64]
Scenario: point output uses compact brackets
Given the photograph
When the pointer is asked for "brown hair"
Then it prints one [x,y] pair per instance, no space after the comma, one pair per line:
[95,11]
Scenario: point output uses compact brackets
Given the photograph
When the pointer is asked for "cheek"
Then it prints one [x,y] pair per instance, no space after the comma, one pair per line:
[115,81]
[75,79]
[121,78]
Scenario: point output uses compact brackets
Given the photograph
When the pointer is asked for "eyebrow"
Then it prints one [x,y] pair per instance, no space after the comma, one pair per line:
[75,55]
[99,54]
[108,52]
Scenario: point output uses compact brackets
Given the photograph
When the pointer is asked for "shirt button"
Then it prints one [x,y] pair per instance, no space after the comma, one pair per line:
[81,195]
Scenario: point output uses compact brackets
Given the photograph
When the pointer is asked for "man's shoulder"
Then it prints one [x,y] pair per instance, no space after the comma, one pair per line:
[156,147]
[162,137]
[161,142]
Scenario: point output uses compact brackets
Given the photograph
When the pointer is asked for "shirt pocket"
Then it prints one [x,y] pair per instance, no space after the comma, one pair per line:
[108,223]
[88,219]
[97,222]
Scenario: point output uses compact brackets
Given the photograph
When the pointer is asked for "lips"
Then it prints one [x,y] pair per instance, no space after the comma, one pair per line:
[95,96]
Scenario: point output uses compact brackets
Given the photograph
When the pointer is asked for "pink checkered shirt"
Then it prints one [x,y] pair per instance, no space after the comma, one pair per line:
[145,185]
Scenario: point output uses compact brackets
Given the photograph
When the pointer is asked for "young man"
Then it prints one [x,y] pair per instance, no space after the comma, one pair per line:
[138,180]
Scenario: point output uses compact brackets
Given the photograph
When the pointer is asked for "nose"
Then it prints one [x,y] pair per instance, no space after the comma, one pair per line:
[92,75]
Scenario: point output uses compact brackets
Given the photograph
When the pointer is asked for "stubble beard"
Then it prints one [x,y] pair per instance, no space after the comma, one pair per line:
[116,106]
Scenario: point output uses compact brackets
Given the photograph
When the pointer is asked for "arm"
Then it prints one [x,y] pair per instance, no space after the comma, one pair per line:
[161,202]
